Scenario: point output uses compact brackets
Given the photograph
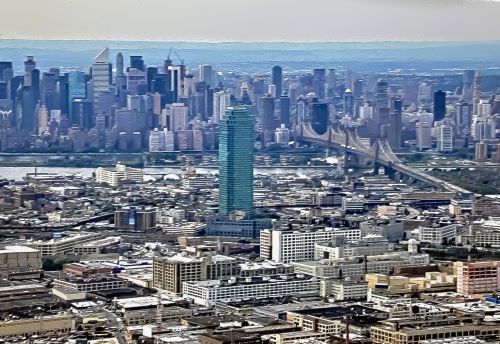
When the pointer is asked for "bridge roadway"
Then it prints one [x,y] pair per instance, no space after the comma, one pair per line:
[379,153]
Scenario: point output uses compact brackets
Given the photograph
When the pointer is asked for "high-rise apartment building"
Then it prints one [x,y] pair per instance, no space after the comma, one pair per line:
[236,140]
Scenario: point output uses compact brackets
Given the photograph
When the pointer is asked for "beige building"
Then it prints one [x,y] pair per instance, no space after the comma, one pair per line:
[38,326]
[412,331]
[170,272]
[62,246]
[296,337]
[114,176]
[19,259]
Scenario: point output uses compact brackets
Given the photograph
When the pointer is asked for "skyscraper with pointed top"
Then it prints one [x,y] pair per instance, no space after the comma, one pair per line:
[101,76]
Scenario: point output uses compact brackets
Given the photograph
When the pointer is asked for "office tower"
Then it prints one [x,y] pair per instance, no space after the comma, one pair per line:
[424,135]
[49,91]
[76,86]
[284,107]
[382,94]
[4,65]
[476,93]
[398,105]
[483,128]
[357,89]
[101,78]
[206,75]
[176,85]
[463,114]
[394,133]
[119,64]
[28,109]
[4,90]
[150,74]
[236,141]
[348,106]
[43,120]
[439,109]
[271,90]
[222,100]
[318,116]
[331,80]
[267,118]
[63,92]
[278,79]
[467,79]
[29,65]
[424,94]
[35,84]
[137,62]
[135,78]
[319,81]
[81,113]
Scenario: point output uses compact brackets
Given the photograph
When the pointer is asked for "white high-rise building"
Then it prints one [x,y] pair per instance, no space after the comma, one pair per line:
[425,93]
[43,120]
[285,246]
[207,74]
[282,135]
[445,138]
[156,141]
[101,76]
[222,100]
[424,135]
[169,140]
[483,128]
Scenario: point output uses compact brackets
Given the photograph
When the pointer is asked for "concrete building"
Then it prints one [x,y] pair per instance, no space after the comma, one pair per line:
[344,290]
[91,284]
[58,324]
[61,246]
[283,245]
[114,176]
[357,267]
[19,259]
[169,273]
[101,76]
[207,293]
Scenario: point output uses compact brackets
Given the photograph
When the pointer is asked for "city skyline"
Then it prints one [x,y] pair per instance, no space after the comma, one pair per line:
[384,20]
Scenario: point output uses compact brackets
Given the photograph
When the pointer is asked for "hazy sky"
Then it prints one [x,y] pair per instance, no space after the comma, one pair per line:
[252,20]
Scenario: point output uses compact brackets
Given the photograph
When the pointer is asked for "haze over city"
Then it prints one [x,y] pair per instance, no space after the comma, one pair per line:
[250,172]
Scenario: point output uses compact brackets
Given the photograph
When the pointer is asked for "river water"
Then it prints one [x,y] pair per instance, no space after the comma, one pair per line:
[17,173]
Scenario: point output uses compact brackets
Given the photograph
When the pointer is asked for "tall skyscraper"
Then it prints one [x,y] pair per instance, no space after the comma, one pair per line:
[348,103]
[236,140]
[467,79]
[76,86]
[29,65]
[476,92]
[439,109]
[394,134]
[267,118]
[319,116]
[278,80]
[319,81]
[284,110]
[222,100]
[137,62]
[101,76]
[206,74]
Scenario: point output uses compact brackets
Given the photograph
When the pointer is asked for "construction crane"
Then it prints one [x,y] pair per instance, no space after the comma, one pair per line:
[180,59]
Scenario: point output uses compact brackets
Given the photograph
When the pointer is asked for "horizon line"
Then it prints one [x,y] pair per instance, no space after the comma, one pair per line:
[479,41]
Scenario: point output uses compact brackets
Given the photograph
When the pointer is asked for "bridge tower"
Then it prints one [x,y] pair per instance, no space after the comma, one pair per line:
[376,164]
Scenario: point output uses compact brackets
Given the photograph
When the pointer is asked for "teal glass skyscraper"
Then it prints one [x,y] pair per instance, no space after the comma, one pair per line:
[236,140]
